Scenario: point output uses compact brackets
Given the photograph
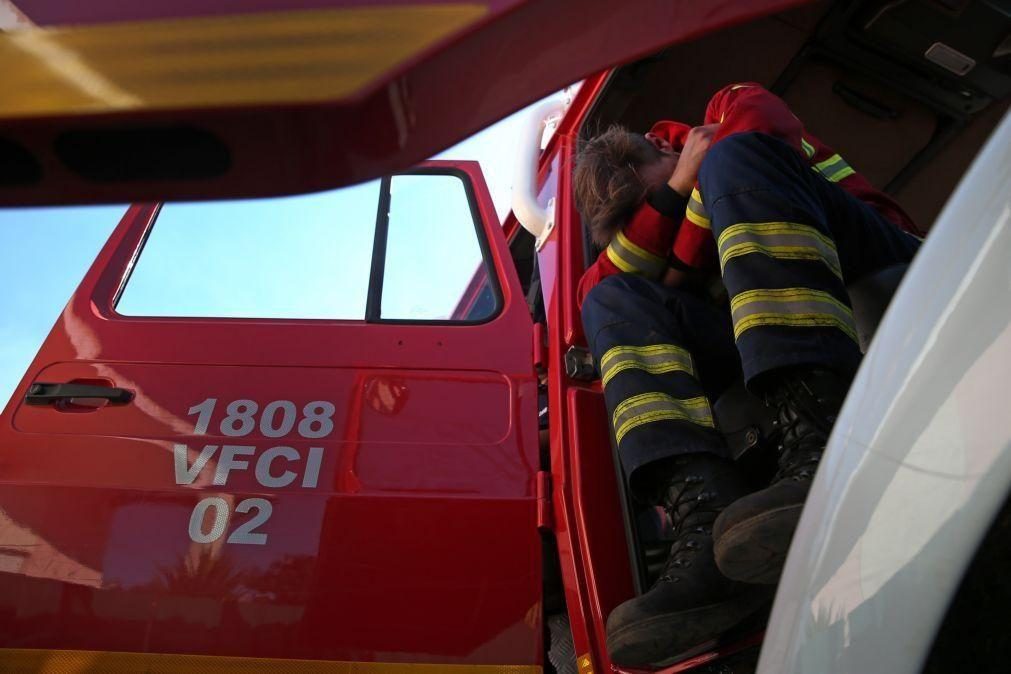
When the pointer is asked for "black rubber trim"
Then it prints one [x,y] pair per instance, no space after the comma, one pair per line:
[152,153]
[373,303]
[482,240]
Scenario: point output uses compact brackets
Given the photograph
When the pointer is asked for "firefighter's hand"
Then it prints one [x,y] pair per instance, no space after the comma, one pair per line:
[686,172]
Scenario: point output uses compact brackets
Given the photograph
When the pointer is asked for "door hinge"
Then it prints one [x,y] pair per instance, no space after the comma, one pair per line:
[540,348]
[545,516]
[579,364]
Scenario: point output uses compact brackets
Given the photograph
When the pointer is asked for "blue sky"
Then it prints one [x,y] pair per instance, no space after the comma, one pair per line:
[45,252]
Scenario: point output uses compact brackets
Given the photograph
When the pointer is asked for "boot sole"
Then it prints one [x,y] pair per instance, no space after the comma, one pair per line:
[754,550]
[663,640]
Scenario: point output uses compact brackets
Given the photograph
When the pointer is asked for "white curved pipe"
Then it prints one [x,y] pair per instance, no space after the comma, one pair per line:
[528,212]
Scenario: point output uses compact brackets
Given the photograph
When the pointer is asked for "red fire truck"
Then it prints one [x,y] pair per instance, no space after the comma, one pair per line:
[374,494]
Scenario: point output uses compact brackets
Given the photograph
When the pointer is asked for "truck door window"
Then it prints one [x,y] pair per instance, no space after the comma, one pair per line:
[306,256]
[406,248]
[434,268]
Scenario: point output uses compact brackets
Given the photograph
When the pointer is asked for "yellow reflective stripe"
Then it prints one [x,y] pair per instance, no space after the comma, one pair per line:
[638,250]
[792,307]
[697,219]
[655,359]
[834,168]
[58,661]
[649,407]
[798,320]
[824,165]
[780,240]
[615,257]
[808,148]
[633,259]
[696,210]
[296,56]
[779,253]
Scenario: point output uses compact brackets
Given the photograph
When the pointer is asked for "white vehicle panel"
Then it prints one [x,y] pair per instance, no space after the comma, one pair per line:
[919,462]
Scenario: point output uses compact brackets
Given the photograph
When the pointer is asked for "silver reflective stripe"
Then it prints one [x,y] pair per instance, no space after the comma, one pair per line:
[654,359]
[634,259]
[841,173]
[779,240]
[834,168]
[791,307]
[646,408]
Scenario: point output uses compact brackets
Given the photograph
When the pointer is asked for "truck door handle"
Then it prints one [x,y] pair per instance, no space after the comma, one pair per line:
[44,394]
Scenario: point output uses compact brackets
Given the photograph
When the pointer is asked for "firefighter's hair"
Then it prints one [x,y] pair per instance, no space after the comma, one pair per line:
[607,183]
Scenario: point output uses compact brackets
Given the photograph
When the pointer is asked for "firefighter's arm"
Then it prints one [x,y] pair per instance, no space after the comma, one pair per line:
[694,247]
[686,171]
[690,249]
[749,106]
[643,246]
[736,108]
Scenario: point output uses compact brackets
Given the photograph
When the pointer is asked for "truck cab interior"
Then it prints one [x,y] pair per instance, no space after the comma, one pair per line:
[878,82]
[907,91]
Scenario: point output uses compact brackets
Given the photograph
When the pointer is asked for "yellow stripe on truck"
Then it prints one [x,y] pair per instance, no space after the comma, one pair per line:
[273,57]
[39,661]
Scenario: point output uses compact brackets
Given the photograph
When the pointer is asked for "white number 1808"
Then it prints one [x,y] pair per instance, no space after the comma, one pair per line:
[277,419]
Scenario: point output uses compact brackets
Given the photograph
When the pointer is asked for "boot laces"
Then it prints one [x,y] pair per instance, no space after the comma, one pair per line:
[796,465]
[684,511]
[802,441]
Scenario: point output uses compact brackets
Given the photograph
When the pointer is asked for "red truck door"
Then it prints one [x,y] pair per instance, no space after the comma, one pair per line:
[267,429]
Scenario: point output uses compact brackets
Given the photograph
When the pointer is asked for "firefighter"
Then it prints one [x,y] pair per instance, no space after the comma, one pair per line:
[787,223]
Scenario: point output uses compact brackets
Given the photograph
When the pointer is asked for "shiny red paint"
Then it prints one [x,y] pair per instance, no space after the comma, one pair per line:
[419,543]
[523,51]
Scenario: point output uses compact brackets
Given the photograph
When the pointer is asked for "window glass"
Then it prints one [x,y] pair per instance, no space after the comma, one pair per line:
[306,256]
[434,264]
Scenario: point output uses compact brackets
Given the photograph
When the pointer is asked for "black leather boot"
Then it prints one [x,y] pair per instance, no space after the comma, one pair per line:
[753,534]
[691,602]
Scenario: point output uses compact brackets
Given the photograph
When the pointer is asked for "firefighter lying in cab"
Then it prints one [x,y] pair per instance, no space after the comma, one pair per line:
[787,222]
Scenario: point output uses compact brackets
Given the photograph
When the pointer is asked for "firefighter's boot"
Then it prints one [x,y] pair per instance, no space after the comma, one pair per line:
[691,602]
[753,534]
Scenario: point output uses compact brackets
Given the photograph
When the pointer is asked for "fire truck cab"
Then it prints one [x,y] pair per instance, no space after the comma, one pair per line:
[199,472]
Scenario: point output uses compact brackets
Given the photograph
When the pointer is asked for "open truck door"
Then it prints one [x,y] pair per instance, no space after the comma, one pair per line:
[193,472]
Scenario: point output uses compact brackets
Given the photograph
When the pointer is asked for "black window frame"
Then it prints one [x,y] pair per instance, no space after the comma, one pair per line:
[373,305]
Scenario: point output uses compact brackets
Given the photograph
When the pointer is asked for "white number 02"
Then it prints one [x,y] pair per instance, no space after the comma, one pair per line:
[245,534]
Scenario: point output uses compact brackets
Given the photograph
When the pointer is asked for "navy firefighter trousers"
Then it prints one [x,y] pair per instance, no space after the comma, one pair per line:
[789,241]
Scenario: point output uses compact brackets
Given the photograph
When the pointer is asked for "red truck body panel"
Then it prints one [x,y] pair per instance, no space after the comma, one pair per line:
[504,55]
[405,534]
